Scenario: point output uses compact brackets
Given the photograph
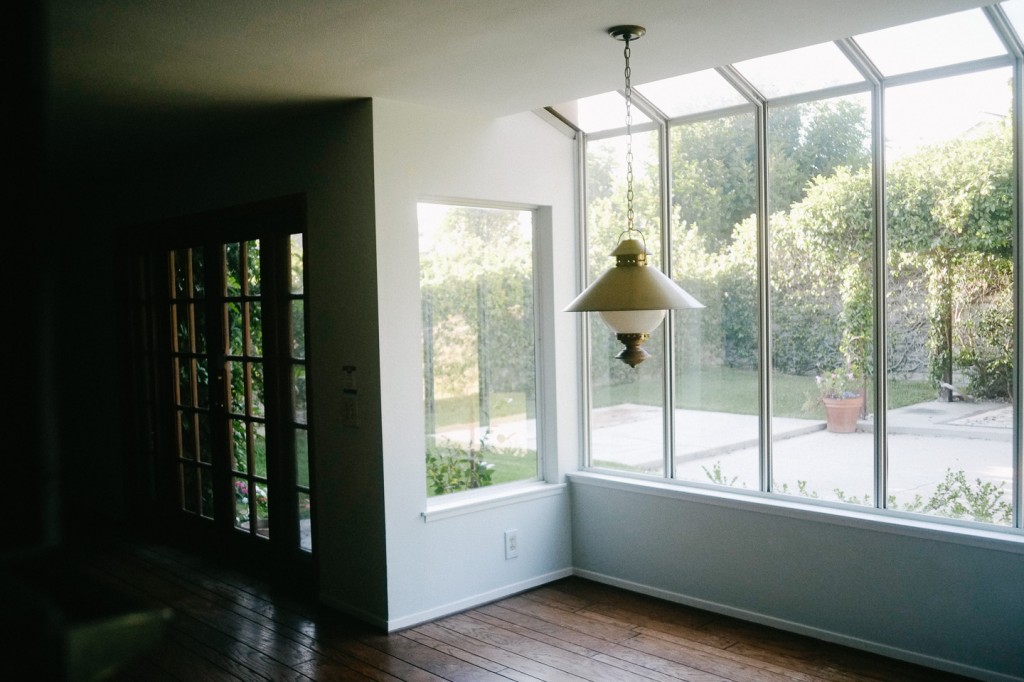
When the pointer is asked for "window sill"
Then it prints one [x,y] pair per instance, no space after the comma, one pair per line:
[475,501]
[1000,538]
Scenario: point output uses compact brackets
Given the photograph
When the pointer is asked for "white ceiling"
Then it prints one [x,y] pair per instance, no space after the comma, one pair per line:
[140,66]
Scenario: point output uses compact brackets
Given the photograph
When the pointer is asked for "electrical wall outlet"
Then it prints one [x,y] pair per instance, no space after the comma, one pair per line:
[511,544]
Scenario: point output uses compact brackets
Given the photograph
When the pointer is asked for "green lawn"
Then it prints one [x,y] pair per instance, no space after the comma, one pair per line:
[724,389]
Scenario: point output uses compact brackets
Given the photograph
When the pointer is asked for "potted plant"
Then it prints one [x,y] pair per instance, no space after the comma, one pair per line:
[842,393]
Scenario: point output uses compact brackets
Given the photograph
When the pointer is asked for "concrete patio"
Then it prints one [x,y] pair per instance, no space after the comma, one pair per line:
[924,441]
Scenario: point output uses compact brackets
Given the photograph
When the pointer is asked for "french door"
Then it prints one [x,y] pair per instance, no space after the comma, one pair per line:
[223,316]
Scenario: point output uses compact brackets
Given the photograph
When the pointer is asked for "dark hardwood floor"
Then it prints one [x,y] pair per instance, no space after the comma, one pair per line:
[227,625]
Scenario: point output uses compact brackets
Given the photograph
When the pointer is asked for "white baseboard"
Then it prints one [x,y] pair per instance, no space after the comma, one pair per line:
[474,601]
[801,629]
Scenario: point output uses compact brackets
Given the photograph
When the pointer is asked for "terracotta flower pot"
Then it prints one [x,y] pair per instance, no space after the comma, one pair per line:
[841,414]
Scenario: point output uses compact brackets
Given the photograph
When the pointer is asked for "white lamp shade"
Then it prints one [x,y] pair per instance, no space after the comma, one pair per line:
[633,321]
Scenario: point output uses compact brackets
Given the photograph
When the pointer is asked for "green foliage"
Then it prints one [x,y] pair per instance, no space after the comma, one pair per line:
[957,499]
[451,468]
[716,476]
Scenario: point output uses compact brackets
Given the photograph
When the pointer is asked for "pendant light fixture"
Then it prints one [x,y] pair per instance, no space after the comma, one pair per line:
[633,296]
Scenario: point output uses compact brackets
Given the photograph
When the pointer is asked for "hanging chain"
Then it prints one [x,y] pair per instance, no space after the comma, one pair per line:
[629,142]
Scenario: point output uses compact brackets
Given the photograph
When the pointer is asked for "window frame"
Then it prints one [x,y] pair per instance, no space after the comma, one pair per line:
[469,501]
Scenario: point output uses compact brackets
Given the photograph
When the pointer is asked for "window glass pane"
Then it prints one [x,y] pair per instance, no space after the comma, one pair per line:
[600,112]
[236,330]
[691,94]
[933,42]
[821,292]
[950,299]
[297,266]
[476,287]
[803,70]
[627,404]
[714,246]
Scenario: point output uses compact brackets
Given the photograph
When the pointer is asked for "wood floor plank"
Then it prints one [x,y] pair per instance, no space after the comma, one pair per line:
[553,656]
[448,630]
[443,665]
[613,654]
[606,631]
[229,625]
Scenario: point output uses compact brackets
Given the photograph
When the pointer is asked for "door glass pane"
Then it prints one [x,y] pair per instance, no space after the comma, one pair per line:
[476,287]
[257,408]
[179,260]
[297,268]
[189,489]
[183,342]
[305,529]
[298,322]
[198,272]
[186,435]
[184,381]
[206,486]
[236,381]
[627,404]
[714,242]
[949,303]
[236,332]
[252,266]
[302,457]
[262,495]
[255,313]
[205,444]
[258,436]
[240,486]
[299,388]
[822,299]
[199,327]
[233,273]
[240,445]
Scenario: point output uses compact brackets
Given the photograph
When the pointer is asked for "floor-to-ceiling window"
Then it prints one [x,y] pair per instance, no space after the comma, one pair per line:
[847,214]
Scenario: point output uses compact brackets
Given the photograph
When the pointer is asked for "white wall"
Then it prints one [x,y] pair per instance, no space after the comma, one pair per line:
[947,600]
[453,562]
